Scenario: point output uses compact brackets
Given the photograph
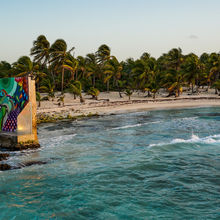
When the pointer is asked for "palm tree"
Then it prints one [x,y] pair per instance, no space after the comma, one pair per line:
[172,74]
[81,68]
[113,69]
[154,79]
[216,85]
[94,92]
[23,67]
[5,69]
[48,87]
[92,67]
[41,50]
[41,53]
[175,58]
[103,55]
[71,64]
[128,92]
[76,89]
[192,69]
[140,73]
[214,63]
[58,56]
[38,98]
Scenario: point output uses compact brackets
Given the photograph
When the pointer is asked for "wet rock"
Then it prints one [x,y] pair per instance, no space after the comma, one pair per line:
[4,167]
[31,163]
[3,156]
[25,146]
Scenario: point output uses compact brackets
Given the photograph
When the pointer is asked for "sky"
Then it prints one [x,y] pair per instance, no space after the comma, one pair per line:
[128,27]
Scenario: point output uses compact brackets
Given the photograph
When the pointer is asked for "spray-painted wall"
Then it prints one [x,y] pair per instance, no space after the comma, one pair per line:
[14,96]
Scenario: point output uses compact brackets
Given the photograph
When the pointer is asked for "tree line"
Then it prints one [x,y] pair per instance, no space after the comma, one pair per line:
[55,68]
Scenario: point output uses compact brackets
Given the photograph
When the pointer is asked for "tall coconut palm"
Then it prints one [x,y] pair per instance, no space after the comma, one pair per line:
[103,53]
[103,56]
[41,50]
[58,56]
[41,53]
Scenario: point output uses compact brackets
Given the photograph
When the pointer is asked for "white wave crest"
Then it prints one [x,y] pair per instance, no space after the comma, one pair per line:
[194,139]
[135,125]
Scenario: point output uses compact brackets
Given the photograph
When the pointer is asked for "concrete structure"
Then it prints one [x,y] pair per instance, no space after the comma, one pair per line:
[23,133]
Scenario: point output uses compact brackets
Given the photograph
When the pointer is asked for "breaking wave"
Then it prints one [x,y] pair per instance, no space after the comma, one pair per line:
[194,139]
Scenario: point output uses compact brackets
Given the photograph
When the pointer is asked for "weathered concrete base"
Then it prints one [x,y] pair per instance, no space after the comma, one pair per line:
[12,142]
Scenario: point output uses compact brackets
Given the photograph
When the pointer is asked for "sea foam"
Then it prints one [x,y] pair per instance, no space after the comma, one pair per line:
[194,139]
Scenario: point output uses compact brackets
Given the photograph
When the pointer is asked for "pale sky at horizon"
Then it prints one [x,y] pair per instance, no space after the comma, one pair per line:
[129,27]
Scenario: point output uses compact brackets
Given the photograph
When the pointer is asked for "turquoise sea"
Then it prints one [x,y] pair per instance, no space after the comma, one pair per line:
[162,164]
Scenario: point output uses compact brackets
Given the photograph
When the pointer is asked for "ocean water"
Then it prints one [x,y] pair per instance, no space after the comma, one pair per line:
[146,165]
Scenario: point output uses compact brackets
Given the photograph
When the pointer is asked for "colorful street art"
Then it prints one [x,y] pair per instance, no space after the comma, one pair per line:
[13,99]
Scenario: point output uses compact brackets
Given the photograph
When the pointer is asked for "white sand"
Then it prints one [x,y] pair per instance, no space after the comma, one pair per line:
[111,103]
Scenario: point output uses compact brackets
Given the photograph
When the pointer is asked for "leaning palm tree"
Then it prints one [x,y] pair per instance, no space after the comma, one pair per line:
[41,50]
[75,87]
[103,56]
[58,56]
[103,53]
[94,92]
[71,64]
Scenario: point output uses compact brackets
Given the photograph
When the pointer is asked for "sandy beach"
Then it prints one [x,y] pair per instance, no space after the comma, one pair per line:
[111,103]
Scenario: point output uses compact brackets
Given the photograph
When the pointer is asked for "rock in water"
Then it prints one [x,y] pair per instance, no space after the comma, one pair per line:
[3,156]
[4,167]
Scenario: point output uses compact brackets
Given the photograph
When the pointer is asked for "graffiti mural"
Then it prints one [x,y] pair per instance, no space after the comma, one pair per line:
[13,99]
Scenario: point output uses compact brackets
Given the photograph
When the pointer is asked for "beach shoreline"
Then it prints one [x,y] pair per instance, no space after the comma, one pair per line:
[73,109]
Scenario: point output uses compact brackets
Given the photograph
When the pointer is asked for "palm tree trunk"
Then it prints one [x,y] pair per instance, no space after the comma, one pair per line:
[72,76]
[62,80]
[107,84]
[93,81]
[77,74]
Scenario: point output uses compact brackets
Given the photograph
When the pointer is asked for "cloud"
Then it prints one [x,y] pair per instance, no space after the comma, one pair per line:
[193,37]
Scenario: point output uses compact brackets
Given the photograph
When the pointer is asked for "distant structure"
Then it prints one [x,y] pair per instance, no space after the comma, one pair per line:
[18,124]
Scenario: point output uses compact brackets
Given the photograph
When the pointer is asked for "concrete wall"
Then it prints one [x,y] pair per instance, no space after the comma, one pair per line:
[19,101]
[27,119]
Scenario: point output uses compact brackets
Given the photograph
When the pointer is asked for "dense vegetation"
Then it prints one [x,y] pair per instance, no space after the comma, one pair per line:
[56,69]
